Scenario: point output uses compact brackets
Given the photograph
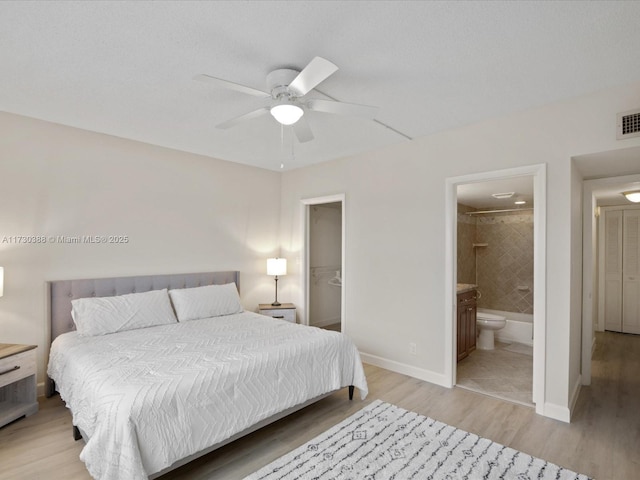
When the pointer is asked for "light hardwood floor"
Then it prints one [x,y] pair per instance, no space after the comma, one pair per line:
[603,439]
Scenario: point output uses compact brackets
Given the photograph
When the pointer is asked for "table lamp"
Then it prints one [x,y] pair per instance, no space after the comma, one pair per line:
[275,267]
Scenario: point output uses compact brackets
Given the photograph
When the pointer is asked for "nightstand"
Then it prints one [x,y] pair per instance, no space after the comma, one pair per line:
[18,394]
[286,311]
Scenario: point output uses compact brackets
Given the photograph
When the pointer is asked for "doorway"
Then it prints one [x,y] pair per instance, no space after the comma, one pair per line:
[599,191]
[538,175]
[323,264]
[495,288]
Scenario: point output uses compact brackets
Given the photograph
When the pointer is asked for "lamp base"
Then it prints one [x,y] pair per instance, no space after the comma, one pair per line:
[276,304]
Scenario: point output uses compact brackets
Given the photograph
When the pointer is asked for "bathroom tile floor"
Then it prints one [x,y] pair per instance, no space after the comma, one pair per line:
[506,372]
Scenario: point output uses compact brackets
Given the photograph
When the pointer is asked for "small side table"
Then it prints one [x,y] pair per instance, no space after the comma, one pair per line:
[18,393]
[286,311]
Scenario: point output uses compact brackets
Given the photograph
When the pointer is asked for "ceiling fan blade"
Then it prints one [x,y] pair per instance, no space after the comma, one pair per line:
[303,130]
[342,108]
[315,72]
[231,85]
[247,116]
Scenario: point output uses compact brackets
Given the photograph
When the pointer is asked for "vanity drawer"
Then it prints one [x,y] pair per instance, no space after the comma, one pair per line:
[467,297]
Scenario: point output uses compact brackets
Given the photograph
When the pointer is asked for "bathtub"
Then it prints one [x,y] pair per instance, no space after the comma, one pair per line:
[519,327]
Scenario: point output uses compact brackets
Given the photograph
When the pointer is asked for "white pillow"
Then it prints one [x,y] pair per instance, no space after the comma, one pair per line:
[205,302]
[103,315]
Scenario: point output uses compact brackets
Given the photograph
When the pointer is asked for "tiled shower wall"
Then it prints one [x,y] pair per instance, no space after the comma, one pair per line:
[466,239]
[505,266]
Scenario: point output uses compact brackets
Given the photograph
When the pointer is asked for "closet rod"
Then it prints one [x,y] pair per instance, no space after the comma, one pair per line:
[480,212]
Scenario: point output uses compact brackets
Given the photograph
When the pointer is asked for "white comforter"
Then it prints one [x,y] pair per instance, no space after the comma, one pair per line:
[147,398]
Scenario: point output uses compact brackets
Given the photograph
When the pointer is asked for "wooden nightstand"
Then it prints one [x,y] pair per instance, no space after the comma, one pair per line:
[18,394]
[286,311]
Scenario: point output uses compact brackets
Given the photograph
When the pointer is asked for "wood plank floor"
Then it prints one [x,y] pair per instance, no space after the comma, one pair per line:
[602,441]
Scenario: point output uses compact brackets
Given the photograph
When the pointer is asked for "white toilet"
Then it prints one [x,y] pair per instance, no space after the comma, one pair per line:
[487,323]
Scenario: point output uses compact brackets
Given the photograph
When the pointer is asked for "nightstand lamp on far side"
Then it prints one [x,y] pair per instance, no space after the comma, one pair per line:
[276,267]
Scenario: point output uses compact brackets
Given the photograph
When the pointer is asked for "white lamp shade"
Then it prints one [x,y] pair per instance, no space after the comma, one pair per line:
[286,113]
[276,266]
[633,196]
[1,281]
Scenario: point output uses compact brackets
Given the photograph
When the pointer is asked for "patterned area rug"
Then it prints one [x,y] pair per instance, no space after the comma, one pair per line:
[383,442]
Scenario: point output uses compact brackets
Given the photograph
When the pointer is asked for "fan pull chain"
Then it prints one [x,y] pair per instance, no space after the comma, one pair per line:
[281,145]
[293,157]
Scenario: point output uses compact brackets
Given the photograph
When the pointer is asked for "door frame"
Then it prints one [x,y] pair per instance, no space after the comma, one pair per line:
[306,204]
[590,275]
[539,174]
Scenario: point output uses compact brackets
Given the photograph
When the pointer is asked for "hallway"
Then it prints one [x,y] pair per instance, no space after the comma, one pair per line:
[607,411]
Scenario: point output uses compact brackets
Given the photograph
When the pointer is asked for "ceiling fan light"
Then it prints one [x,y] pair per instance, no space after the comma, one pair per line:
[632,196]
[286,113]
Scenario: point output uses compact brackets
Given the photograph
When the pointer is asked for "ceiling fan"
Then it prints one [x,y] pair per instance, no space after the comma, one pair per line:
[285,92]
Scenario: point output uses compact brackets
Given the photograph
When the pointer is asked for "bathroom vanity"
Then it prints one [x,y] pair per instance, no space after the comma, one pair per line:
[467,311]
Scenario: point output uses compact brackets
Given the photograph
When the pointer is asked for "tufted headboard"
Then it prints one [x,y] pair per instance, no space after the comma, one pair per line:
[61,292]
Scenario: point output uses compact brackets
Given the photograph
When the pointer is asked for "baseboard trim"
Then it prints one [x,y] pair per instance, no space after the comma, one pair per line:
[40,389]
[557,412]
[398,367]
[324,322]
[574,396]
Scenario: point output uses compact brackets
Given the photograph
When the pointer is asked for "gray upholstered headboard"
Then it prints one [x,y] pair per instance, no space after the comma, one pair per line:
[61,292]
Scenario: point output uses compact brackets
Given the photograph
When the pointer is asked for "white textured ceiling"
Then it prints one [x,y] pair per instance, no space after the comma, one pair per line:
[126,68]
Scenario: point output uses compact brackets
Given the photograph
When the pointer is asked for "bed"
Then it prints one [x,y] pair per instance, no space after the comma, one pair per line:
[149,399]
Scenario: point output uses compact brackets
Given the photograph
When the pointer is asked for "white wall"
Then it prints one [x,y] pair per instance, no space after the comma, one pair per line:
[395,228]
[575,288]
[181,212]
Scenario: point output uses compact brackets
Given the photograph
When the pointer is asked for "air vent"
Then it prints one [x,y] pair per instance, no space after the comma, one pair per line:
[628,124]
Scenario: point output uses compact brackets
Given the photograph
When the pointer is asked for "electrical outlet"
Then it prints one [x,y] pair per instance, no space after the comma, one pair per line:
[412,348]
